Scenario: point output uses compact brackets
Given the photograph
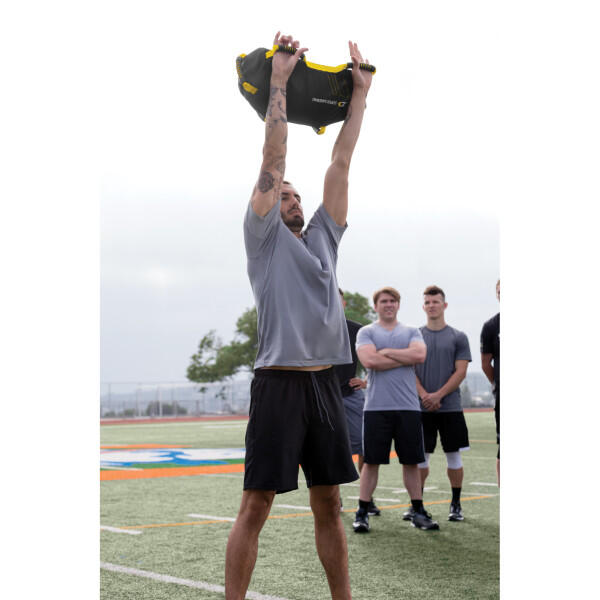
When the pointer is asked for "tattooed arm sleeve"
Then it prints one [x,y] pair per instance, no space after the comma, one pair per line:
[267,189]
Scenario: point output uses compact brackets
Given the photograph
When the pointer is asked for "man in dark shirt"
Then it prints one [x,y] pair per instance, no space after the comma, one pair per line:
[354,398]
[490,364]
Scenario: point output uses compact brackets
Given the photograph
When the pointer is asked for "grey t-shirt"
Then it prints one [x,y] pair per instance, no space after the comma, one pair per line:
[444,347]
[394,389]
[300,316]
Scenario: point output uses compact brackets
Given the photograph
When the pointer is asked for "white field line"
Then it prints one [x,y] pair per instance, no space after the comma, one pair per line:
[137,426]
[202,585]
[292,506]
[394,490]
[212,518]
[482,483]
[224,426]
[117,530]
[378,499]
[220,475]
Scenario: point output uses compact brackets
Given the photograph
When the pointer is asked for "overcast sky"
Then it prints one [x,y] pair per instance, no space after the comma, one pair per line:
[182,150]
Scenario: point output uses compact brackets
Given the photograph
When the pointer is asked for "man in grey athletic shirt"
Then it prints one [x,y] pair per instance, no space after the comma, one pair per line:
[438,381]
[296,409]
[390,350]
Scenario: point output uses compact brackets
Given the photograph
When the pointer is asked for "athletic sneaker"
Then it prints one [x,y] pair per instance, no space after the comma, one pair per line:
[408,515]
[422,521]
[361,521]
[373,510]
[456,513]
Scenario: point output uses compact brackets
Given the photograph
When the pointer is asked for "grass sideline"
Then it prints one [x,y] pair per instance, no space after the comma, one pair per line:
[393,560]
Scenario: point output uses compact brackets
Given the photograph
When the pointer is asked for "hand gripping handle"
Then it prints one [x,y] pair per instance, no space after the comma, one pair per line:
[292,50]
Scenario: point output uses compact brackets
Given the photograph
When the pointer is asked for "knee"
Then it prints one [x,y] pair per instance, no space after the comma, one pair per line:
[454,460]
[325,503]
[256,505]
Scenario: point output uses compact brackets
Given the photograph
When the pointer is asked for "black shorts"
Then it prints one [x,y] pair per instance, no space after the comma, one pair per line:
[296,418]
[452,428]
[380,427]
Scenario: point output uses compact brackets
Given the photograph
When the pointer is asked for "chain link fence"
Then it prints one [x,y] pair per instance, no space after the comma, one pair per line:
[128,400]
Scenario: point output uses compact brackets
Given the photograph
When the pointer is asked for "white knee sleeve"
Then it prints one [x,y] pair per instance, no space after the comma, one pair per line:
[454,460]
[425,465]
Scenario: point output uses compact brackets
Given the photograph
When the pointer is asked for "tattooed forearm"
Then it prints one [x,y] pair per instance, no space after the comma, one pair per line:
[265,182]
[280,165]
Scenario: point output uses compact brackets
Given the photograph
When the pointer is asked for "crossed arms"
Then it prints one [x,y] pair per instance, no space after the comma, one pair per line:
[335,194]
[391,358]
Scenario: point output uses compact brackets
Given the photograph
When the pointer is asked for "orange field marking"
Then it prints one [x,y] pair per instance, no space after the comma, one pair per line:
[110,475]
[171,472]
[294,515]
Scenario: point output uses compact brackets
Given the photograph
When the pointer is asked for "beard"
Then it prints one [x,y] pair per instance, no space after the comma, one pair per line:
[294,223]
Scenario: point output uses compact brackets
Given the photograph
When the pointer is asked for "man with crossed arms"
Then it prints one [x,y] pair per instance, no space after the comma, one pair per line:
[296,409]
[390,351]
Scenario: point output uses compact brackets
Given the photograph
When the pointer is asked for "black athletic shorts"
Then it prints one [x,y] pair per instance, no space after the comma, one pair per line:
[404,427]
[296,418]
[452,428]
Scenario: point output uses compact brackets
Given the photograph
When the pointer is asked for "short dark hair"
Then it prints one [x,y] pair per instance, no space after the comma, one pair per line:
[341,292]
[434,290]
[386,290]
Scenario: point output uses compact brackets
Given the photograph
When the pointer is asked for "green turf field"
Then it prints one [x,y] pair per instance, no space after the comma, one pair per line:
[185,555]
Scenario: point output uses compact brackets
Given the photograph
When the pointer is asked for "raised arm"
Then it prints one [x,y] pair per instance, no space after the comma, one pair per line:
[335,193]
[267,189]
[414,354]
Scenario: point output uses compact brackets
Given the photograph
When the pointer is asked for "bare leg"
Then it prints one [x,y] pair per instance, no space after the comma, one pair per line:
[456,477]
[242,546]
[330,538]
[423,473]
[368,481]
[361,462]
[412,481]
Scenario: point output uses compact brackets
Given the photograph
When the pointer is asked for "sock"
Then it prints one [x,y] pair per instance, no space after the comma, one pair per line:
[456,495]
[417,505]
[363,504]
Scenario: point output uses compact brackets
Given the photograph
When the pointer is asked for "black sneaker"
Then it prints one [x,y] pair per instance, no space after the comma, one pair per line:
[422,521]
[456,513]
[361,521]
[408,515]
[372,509]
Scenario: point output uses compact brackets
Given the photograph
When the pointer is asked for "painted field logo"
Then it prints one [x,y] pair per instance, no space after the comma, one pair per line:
[169,457]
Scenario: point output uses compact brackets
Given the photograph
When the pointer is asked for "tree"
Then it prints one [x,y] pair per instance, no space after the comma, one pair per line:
[358,308]
[215,362]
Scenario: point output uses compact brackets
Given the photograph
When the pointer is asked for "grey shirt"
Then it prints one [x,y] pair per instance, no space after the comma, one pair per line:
[300,316]
[444,347]
[394,389]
